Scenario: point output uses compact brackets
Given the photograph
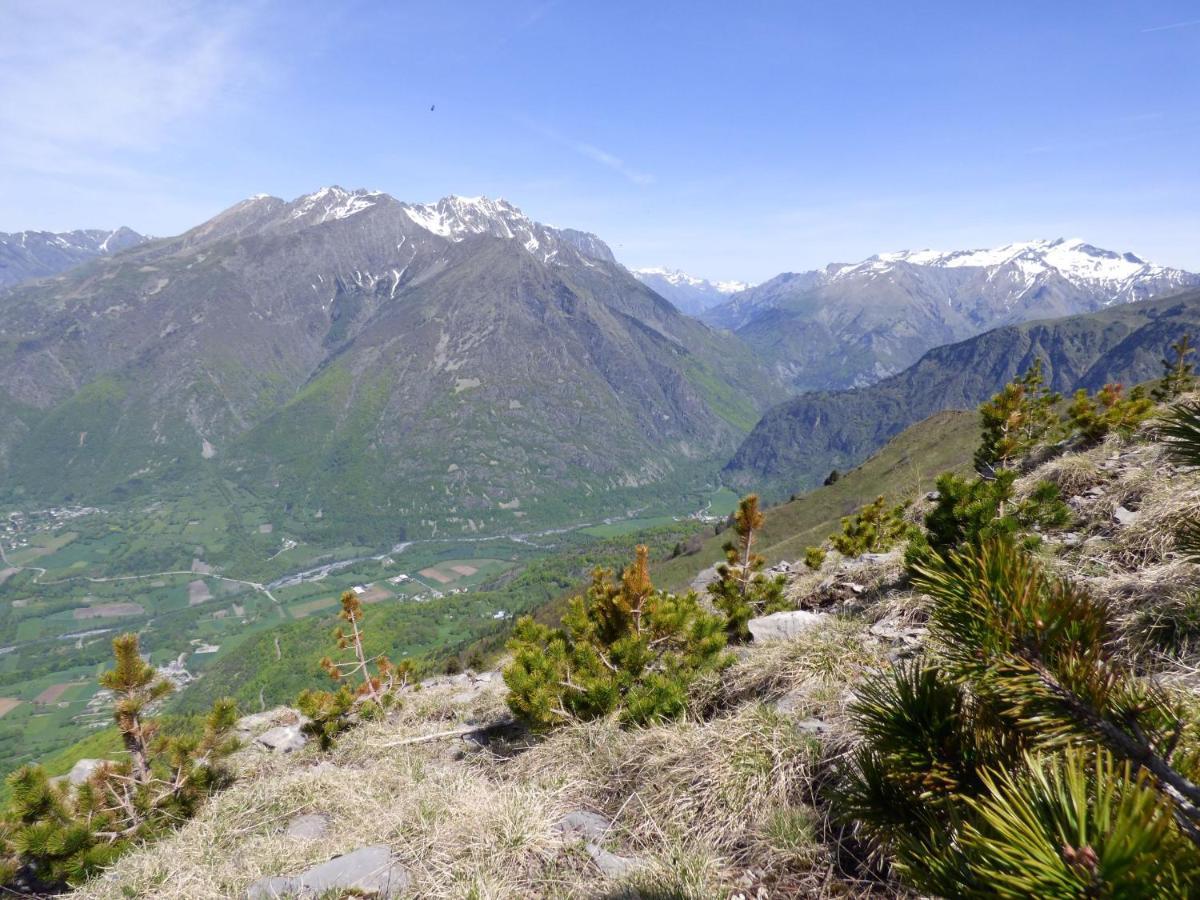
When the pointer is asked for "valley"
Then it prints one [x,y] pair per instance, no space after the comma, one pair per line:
[197,579]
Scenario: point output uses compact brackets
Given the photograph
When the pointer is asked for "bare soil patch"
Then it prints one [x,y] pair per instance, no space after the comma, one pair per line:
[198,592]
[8,704]
[436,575]
[52,693]
[464,570]
[375,594]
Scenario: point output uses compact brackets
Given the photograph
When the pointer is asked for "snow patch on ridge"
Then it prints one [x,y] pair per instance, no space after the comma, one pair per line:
[332,203]
[1074,260]
[676,278]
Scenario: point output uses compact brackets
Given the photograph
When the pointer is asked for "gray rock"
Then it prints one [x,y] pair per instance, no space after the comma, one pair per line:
[813,726]
[588,826]
[370,870]
[783,626]
[1124,516]
[703,579]
[282,739]
[892,630]
[308,827]
[789,703]
[879,557]
[610,864]
[251,726]
[82,770]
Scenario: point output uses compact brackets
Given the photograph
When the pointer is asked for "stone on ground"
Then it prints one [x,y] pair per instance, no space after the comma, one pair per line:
[783,626]
[610,864]
[282,739]
[582,824]
[368,870]
[308,827]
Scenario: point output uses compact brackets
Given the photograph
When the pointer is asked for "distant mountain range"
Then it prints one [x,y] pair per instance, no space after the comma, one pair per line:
[690,294]
[28,255]
[798,442]
[371,367]
[851,325]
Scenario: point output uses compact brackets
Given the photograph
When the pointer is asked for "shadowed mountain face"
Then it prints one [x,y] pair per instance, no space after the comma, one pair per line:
[851,325]
[798,442]
[352,358]
[29,255]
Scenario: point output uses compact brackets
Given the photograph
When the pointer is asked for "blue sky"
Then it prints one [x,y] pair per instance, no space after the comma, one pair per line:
[732,140]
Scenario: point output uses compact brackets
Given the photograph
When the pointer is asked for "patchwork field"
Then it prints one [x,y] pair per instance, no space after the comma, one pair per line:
[198,592]
[109,611]
[375,594]
[300,610]
[54,692]
[438,575]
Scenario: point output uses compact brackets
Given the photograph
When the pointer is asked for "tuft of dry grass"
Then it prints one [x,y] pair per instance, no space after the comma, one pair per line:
[818,671]
[1071,473]
[849,585]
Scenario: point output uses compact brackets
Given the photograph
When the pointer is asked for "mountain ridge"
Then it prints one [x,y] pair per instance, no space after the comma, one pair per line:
[850,324]
[336,345]
[29,255]
[797,442]
[689,293]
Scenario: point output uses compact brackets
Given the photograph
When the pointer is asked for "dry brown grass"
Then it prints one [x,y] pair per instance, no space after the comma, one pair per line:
[818,671]
[711,807]
[1072,473]
[847,585]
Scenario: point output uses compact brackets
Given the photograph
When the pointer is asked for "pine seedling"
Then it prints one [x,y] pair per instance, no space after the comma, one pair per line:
[1179,375]
[1107,411]
[60,835]
[624,648]
[742,590]
[367,685]
[1016,420]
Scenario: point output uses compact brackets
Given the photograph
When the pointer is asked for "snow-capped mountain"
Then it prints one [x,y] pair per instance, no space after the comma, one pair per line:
[690,294]
[852,324]
[27,255]
[452,218]
[1123,277]
[361,356]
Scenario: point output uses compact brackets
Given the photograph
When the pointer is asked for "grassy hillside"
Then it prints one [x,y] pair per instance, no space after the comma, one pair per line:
[907,464]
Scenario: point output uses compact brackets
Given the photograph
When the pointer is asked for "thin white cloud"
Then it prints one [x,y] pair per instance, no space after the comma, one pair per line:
[613,162]
[592,152]
[1172,26]
[85,85]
